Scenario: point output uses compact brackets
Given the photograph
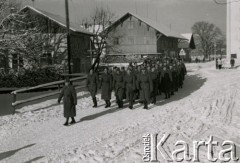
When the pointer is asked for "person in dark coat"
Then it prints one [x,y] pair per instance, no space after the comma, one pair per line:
[175,77]
[92,86]
[183,69]
[180,75]
[173,73]
[136,72]
[154,76]
[106,86]
[216,62]
[166,82]
[123,71]
[68,93]
[160,74]
[145,87]
[118,87]
[129,84]
[232,62]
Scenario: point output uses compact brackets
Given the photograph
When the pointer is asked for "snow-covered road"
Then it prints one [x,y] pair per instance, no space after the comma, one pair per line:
[207,105]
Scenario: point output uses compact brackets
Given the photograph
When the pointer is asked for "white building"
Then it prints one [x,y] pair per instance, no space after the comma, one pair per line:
[233,28]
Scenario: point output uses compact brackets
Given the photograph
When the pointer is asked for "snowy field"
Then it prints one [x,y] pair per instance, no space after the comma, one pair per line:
[208,104]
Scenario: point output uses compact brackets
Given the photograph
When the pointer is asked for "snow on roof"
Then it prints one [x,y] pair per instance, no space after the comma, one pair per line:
[188,36]
[157,26]
[59,20]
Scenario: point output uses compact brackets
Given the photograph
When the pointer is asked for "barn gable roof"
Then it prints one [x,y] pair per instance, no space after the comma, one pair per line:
[59,20]
[157,26]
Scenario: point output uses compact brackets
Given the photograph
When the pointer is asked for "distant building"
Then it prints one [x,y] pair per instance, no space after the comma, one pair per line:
[141,37]
[80,43]
[233,28]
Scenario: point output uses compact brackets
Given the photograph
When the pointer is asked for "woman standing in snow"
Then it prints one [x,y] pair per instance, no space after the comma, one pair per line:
[106,85]
[92,86]
[69,96]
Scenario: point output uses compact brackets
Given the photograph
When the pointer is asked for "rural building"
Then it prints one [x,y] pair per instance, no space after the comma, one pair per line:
[133,35]
[53,52]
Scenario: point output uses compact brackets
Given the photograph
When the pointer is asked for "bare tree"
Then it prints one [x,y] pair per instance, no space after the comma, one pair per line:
[208,34]
[100,20]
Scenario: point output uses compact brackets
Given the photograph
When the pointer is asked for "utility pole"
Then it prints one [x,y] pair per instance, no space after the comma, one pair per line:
[68,38]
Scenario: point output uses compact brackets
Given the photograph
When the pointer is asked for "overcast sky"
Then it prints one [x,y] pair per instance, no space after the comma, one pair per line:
[181,14]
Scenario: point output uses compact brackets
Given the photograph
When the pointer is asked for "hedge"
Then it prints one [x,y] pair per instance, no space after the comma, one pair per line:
[29,78]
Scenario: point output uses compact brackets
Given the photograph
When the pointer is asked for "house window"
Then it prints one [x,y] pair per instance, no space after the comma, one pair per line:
[130,40]
[130,25]
[46,59]
[116,41]
[2,62]
[146,40]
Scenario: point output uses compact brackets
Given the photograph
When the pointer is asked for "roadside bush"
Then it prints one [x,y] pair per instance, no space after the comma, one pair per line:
[31,77]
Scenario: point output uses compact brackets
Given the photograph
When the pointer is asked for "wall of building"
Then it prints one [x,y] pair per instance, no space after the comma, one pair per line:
[168,46]
[135,37]
[233,29]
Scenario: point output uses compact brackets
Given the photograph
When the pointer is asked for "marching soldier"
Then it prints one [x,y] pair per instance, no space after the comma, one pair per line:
[129,84]
[69,96]
[154,77]
[106,85]
[173,74]
[92,86]
[183,69]
[118,87]
[180,75]
[166,82]
[145,87]
[123,72]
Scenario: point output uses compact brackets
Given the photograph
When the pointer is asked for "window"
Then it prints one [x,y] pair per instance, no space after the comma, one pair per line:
[130,40]
[116,41]
[146,40]
[46,59]
[130,25]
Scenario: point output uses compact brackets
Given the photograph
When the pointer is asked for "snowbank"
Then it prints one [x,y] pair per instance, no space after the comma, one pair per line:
[207,105]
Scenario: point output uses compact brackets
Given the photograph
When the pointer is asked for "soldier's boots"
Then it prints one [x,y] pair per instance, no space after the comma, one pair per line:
[73,120]
[66,123]
[120,104]
[94,102]
[108,103]
[145,105]
[166,95]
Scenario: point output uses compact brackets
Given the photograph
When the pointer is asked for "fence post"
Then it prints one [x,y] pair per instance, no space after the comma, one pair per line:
[14,100]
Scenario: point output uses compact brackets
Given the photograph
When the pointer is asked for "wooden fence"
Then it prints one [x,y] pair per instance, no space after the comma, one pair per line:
[15,103]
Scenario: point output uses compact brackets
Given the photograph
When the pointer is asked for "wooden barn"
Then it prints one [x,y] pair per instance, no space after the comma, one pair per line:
[139,36]
[54,51]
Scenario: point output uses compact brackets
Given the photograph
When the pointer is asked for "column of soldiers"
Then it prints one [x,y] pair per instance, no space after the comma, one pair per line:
[139,82]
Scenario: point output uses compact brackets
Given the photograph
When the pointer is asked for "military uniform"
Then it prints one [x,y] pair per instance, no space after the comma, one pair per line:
[92,86]
[106,85]
[145,87]
[166,83]
[155,79]
[118,86]
[69,96]
[129,84]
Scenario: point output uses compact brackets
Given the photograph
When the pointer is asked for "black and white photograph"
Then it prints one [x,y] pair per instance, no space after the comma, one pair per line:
[119,81]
